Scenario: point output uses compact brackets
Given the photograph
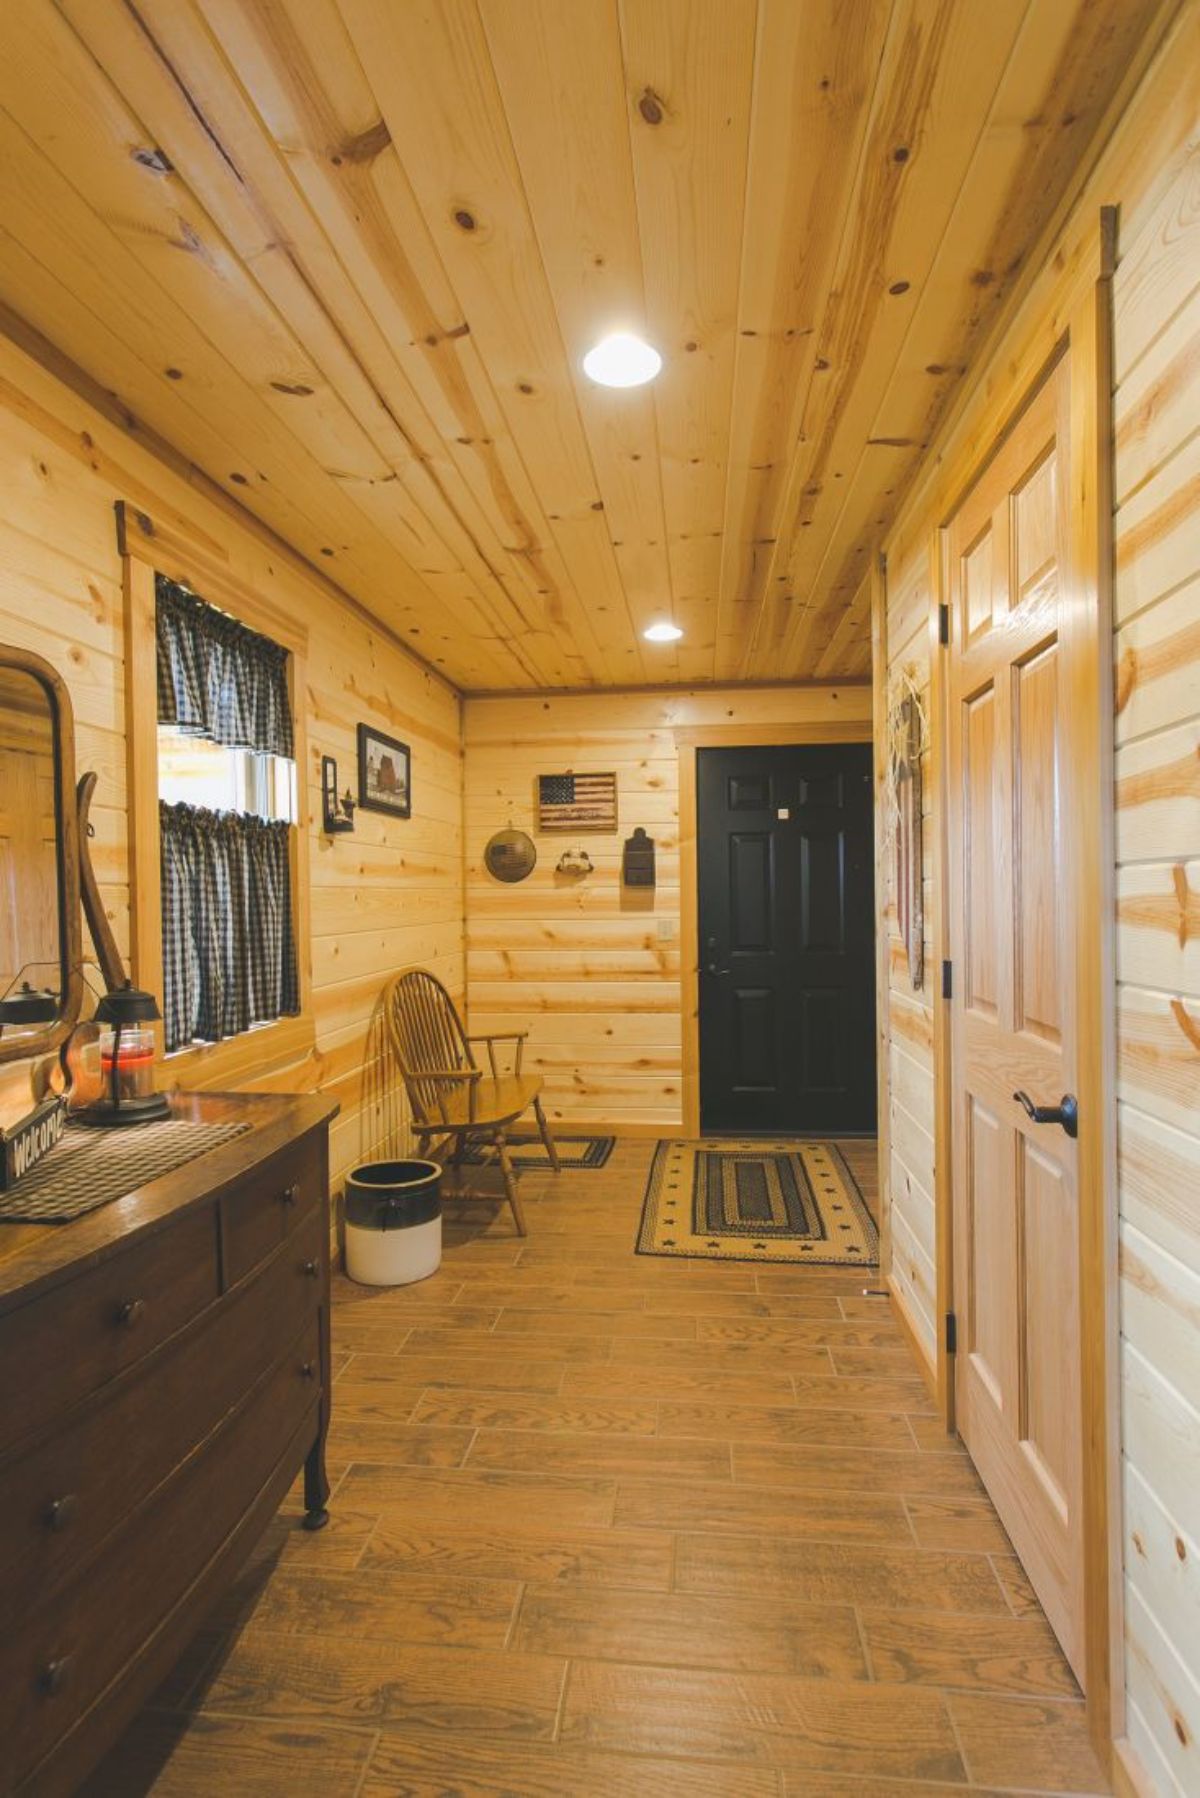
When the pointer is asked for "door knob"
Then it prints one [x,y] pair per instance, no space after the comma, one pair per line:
[1066,1112]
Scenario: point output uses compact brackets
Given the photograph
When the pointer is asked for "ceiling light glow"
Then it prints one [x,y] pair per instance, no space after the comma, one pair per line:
[622,360]
[662,633]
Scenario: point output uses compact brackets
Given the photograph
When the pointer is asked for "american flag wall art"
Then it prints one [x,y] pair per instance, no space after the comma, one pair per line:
[577,802]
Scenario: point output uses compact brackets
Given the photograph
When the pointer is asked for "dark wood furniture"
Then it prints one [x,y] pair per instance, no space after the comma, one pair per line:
[165,1378]
[451,1098]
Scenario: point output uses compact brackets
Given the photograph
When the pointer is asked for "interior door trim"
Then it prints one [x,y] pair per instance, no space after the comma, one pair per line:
[688,739]
[1075,323]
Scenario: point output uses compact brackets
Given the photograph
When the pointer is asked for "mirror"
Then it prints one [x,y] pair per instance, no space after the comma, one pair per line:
[40,933]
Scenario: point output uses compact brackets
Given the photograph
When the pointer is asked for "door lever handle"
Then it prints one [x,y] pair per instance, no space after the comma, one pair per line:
[712,968]
[1066,1112]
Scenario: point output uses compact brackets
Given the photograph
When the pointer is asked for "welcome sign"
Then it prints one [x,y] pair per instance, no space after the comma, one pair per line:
[23,1146]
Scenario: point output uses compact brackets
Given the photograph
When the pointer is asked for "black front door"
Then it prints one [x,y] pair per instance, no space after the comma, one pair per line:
[787,958]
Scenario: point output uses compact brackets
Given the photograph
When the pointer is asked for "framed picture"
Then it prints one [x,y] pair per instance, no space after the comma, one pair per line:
[384,773]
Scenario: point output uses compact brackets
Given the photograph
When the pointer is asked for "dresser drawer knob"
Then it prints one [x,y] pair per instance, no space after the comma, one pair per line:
[131,1312]
[308,1371]
[312,1269]
[291,1194]
[61,1511]
[53,1676]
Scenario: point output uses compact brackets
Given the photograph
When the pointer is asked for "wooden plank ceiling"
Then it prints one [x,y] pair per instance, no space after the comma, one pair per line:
[346,255]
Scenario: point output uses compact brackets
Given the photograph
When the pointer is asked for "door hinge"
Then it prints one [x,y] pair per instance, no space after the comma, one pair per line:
[943,623]
[951,1333]
[947,980]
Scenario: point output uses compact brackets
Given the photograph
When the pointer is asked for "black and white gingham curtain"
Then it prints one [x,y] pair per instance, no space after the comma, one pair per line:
[216,677]
[229,955]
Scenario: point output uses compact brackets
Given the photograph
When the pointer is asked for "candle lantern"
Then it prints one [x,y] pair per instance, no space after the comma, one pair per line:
[127,1055]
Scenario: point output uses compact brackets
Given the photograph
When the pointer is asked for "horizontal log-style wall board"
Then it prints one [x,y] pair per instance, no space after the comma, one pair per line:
[1152,171]
[386,894]
[594,967]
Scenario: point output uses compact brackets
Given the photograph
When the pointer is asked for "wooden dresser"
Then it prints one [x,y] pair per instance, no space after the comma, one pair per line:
[164,1376]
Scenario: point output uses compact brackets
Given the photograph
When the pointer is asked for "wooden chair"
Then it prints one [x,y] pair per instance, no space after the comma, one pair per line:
[452,1098]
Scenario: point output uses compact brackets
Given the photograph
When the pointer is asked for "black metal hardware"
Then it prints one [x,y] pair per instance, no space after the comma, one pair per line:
[951,1333]
[312,1269]
[637,860]
[308,1371]
[947,980]
[290,1195]
[711,967]
[60,1511]
[1066,1112]
[131,1312]
[943,623]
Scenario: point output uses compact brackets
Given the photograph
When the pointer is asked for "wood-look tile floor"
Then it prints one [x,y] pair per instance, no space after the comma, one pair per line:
[611,1525]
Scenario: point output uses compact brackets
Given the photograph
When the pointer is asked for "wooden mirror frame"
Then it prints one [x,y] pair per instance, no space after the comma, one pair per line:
[70,931]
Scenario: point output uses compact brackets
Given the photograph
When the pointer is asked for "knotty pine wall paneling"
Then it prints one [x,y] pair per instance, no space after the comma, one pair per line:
[390,892]
[592,967]
[908,1178]
[1150,168]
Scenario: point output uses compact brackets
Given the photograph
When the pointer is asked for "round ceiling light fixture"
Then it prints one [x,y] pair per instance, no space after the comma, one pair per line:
[622,360]
[662,633]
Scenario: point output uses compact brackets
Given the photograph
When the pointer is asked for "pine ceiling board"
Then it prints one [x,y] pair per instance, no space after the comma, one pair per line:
[469,479]
[433,77]
[104,325]
[1050,101]
[50,75]
[51,228]
[939,73]
[689,75]
[143,224]
[562,84]
[321,299]
[815,71]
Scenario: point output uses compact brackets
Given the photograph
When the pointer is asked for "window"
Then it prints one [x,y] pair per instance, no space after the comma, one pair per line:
[193,771]
[229,748]
[227,806]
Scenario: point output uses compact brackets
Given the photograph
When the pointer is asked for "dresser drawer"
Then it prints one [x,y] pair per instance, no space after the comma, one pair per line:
[269,1204]
[76,1643]
[73,1340]
[61,1497]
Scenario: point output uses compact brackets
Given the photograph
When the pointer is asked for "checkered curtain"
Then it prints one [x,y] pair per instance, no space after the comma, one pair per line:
[216,677]
[229,955]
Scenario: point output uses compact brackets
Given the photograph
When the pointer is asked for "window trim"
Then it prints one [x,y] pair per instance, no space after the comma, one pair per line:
[148,546]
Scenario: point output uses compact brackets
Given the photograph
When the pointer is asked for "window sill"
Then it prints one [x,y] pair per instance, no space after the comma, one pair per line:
[243,1059]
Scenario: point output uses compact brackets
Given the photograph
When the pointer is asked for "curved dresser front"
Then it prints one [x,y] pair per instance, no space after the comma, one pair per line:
[164,1377]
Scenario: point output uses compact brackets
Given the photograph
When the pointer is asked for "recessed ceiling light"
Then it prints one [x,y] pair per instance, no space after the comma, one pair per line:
[662,633]
[622,361]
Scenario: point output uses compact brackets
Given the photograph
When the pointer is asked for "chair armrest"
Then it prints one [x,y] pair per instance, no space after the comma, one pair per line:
[502,1036]
[470,1076]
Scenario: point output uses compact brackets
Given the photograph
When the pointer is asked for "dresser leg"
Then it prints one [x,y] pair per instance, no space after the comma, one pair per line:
[316,1486]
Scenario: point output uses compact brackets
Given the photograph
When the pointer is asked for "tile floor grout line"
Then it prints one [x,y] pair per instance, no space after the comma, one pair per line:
[958,1740]
[376,1738]
[561,1709]
[868,1663]
[518,1602]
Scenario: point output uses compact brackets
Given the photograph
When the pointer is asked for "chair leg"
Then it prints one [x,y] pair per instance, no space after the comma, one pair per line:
[510,1182]
[547,1138]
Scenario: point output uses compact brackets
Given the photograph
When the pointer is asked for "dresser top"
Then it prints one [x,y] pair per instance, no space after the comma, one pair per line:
[36,1255]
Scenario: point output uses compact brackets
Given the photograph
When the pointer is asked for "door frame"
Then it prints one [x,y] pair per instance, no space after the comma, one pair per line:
[689,739]
[1076,324]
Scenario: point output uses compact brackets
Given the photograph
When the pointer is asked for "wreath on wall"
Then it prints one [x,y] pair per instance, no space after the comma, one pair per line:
[906,744]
